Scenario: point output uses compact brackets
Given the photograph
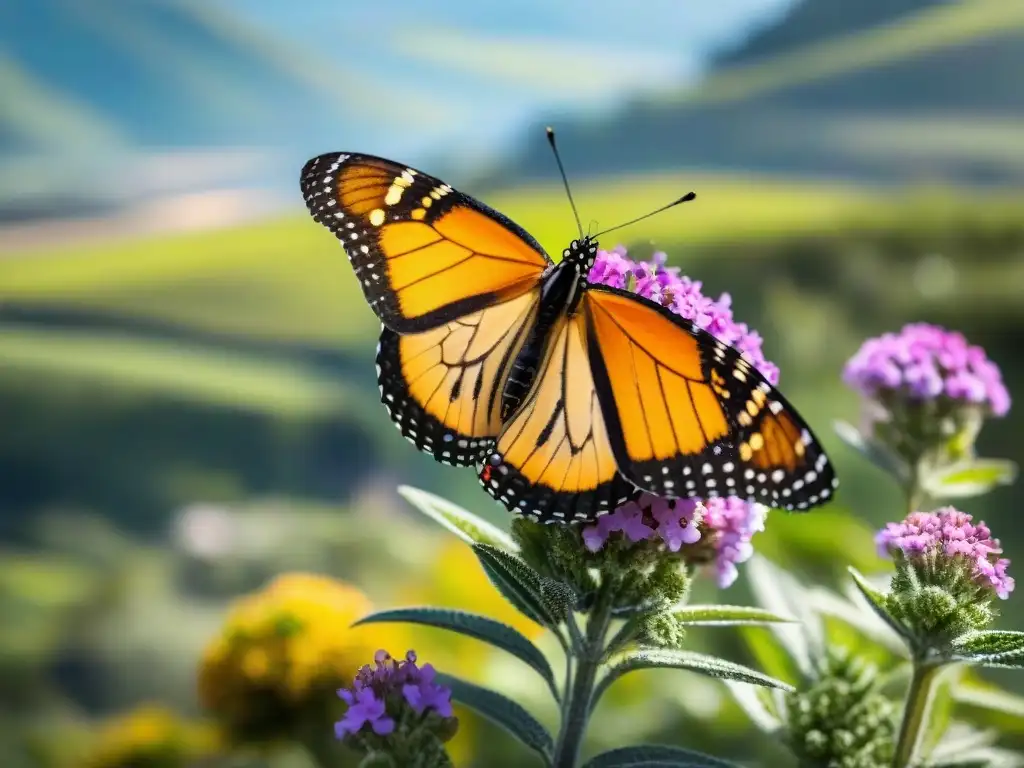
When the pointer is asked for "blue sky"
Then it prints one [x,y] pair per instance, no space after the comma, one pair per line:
[473,72]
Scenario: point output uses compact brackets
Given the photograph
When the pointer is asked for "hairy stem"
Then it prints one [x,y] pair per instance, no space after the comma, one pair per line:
[588,652]
[916,713]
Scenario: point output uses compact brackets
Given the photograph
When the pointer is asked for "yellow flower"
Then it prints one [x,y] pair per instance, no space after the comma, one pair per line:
[150,736]
[274,670]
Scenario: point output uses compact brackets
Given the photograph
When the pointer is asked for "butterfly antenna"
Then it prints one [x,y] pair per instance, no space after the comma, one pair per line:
[565,180]
[684,199]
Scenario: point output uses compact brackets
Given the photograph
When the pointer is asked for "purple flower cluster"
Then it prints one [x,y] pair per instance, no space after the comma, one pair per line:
[951,534]
[726,526]
[730,524]
[674,521]
[653,280]
[390,680]
[927,362]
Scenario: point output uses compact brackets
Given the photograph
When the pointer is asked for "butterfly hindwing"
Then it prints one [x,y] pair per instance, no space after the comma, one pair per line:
[553,460]
[443,387]
[783,463]
[690,416]
[424,253]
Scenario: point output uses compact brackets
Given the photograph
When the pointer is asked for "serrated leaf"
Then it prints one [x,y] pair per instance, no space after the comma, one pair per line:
[517,582]
[559,598]
[872,450]
[753,704]
[711,666]
[778,592]
[502,711]
[464,524]
[876,601]
[991,648]
[473,625]
[660,756]
[727,615]
[973,477]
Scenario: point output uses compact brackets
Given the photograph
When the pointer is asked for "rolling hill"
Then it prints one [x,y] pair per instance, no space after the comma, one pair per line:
[104,90]
[916,90]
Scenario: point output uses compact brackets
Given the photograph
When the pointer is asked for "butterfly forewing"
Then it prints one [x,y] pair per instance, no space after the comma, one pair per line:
[689,416]
[443,387]
[424,253]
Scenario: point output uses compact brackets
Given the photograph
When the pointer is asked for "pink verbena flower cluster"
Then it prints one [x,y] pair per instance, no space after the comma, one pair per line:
[726,525]
[926,362]
[664,285]
[387,682]
[950,534]
[674,521]
[729,525]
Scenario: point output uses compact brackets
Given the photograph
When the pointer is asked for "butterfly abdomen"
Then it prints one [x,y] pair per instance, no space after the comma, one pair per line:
[559,286]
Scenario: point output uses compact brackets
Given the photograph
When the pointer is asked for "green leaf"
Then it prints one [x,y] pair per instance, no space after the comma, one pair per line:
[975,693]
[876,600]
[464,524]
[966,747]
[872,450]
[991,648]
[502,711]
[973,477]
[752,702]
[960,743]
[473,625]
[711,666]
[660,756]
[518,582]
[778,592]
[858,612]
[726,615]
[940,719]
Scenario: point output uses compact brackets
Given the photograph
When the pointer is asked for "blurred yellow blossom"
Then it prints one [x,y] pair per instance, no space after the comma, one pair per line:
[150,736]
[284,651]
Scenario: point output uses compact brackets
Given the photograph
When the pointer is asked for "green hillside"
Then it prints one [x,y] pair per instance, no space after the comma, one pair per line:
[932,84]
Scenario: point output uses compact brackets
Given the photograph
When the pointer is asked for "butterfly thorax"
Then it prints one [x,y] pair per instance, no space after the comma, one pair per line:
[560,294]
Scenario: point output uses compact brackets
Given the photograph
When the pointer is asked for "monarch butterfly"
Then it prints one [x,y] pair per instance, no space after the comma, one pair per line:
[569,398]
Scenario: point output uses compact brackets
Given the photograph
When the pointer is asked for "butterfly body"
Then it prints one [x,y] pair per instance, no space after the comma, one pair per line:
[568,398]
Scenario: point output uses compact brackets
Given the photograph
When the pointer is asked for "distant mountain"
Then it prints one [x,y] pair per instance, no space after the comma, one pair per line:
[811,21]
[878,90]
[91,89]
[98,94]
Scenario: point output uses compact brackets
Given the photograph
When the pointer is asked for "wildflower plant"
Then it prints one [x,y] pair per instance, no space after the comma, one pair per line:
[614,594]
[878,671]
[926,395]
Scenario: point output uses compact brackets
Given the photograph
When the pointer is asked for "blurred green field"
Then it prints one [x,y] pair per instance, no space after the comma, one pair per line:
[287,280]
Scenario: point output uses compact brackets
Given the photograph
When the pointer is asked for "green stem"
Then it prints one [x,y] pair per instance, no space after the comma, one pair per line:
[916,713]
[589,651]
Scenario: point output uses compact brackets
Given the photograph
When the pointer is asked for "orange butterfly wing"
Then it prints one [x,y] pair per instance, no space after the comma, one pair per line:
[424,253]
[443,387]
[689,416]
[553,460]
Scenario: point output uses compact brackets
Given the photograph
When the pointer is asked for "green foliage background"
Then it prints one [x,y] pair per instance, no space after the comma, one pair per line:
[236,366]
